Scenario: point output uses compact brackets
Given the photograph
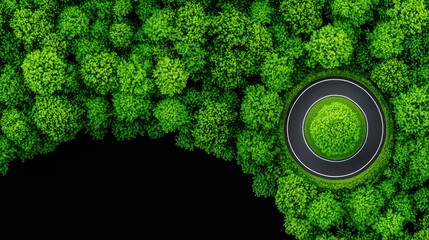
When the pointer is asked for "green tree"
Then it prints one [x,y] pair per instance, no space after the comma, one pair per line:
[160,26]
[391,76]
[100,30]
[99,72]
[192,23]
[121,35]
[217,73]
[126,130]
[194,59]
[386,40]
[260,108]
[411,15]
[7,153]
[335,129]
[44,72]
[230,57]
[403,204]
[170,76]
[421,199]
[184,138]
[411,110]
[265,182]
[261,11]
[12,88]
[256,149]
[422,234]
[145,8]
[358,11]
[31,26]
[16,127]
[328,237]
[325,211]
[294,195]
[303,16]
[54,42]
[390,225]
[362,56]
[101,10]
[230,68]
[123,7]
[388,188]
[229,28]
[134,78]
[10,49]
[423,223]
[129,107]
[57,117]
[412,158]
[98,115]
[85,46]
[416,47]
[353,32]
[73,22]
[213,130]
[285,43]
[276,73]
[330,47]
[300,228]
[171,114]
[260,44]
[364,206]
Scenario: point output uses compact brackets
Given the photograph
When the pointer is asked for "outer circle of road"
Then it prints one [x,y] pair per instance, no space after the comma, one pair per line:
[376,125]
[366,134]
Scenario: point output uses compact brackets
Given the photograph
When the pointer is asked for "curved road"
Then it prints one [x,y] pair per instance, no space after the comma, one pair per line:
[369,105]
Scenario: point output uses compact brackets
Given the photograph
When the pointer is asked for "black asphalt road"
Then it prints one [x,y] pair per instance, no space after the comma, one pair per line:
[376,128]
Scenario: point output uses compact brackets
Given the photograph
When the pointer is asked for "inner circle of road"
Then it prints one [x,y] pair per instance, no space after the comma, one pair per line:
[366,126]
[362,97]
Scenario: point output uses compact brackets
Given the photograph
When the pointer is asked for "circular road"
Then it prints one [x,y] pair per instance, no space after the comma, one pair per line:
[375,121]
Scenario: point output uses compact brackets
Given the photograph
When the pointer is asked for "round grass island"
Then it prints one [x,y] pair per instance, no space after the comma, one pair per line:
[337,130]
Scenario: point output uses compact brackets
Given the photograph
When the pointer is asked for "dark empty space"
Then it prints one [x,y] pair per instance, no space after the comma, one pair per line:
[139,189]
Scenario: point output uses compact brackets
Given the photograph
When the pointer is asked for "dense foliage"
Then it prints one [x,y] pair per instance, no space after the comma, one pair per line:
[216,73]
[335,129]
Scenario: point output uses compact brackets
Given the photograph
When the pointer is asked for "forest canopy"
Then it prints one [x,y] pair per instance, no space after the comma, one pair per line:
[216,74]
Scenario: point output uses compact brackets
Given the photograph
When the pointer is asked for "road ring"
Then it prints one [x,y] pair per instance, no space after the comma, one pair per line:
[374,116]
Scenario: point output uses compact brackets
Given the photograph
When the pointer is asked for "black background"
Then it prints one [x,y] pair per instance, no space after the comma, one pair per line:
[138,189]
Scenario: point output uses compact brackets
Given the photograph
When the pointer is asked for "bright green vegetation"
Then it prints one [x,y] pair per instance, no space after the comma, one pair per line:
[330,47]
[218,75]
[335,128]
